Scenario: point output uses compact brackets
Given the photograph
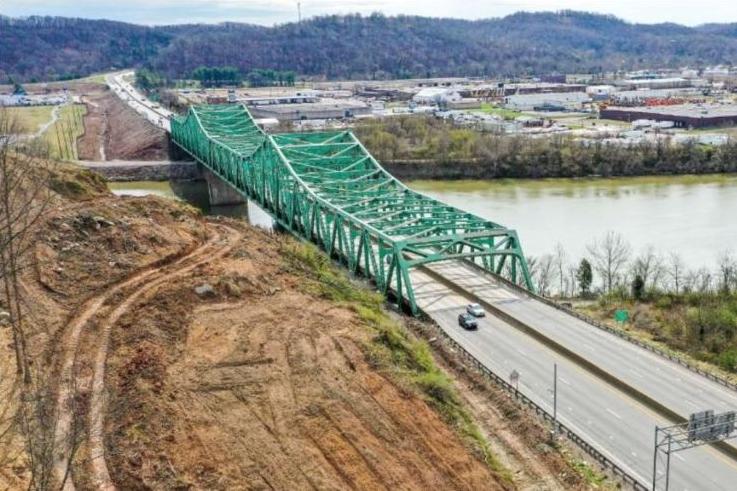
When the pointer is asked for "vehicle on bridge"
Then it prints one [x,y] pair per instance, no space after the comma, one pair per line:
[467,321]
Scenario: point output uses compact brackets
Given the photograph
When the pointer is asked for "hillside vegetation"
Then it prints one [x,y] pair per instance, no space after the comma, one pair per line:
[355,46]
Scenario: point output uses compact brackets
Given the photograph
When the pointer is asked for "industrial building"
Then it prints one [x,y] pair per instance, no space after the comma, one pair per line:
[325,109]
[282,99]
[682,116]
[541,88]
[437,95]
[562,101]
[654,83]
[638,97]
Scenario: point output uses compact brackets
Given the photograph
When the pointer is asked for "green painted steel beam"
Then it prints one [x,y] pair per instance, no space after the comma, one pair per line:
[327,188]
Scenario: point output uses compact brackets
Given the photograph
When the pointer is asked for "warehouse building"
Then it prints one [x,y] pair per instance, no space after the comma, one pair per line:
[682,116]
[654,83]
[541,88]
[437,95]
[282,99]
[325,109]
[564,101]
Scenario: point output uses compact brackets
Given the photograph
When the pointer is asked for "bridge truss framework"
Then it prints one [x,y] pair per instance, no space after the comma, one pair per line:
[327,188]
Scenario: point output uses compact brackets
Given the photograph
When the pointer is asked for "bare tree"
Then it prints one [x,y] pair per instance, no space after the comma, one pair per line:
[25,196]
[649,266]
[727,266]
[545,274]
[703,280]
[676,271]
[572,281]
[561,259]
[610,255]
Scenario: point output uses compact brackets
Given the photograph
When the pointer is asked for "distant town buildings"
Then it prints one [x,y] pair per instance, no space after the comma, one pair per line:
[33,100]
[650,103]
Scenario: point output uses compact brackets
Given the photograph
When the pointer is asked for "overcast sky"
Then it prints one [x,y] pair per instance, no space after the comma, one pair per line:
[269,12]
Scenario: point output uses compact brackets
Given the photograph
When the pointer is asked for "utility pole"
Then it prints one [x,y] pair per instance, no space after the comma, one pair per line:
[299,12]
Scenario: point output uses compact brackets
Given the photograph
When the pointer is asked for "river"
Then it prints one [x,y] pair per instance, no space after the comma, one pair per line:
[695,216]
[195,193]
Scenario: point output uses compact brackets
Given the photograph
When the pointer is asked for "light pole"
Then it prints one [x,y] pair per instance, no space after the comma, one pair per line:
[555,400]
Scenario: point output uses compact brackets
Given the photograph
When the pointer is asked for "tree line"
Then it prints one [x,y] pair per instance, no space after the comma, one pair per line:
[373,47]
[214,76]
[691,309]
[611,266]
[469,153]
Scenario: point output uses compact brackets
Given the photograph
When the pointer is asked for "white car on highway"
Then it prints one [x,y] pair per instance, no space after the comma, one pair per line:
[476,310]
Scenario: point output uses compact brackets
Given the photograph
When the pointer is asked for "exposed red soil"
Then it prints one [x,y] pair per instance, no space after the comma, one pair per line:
[120,131]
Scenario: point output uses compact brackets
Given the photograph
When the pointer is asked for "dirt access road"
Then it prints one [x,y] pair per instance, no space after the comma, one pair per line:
[110,306]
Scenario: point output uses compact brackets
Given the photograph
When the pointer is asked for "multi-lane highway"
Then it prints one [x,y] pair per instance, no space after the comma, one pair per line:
[156,115]
[617,424]
[671,384]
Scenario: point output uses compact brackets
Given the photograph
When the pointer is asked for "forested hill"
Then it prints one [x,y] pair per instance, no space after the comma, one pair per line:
[356,46]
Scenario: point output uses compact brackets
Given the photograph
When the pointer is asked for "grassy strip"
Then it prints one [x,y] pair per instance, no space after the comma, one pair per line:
[29,119]
[593,478]
[392,348]
[62,137]
[506,114]
[668,335]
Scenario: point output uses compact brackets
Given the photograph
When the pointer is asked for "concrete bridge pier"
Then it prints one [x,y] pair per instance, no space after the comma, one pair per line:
[220,192]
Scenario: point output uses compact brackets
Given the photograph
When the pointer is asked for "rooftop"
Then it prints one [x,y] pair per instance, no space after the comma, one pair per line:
[686,110]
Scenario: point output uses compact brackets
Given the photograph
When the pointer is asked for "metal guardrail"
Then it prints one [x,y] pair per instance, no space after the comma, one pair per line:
[619,333]
[599,457]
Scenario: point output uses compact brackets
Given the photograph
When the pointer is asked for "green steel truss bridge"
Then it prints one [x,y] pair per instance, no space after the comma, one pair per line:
[327,188]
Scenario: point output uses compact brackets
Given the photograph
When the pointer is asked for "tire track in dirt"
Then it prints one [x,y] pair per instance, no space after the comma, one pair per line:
[100,473]
[64,433]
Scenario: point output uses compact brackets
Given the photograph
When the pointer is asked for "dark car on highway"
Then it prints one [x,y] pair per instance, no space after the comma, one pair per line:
[467,321]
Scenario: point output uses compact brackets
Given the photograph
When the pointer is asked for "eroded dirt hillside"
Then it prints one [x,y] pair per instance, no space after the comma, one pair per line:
[258,384]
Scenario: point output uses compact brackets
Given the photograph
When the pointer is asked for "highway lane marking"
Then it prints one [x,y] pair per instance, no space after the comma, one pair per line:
[636,373]
[613,413]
